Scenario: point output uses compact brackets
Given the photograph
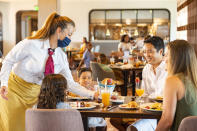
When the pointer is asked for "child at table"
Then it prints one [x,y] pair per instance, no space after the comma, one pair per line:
[85,79]
[53,92]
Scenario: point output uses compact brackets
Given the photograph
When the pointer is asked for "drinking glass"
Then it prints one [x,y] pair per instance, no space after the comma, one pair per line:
[139,89]
[125,61]
[105,98]
[112,61]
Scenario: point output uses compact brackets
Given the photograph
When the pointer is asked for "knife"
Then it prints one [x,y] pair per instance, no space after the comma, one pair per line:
[111,107]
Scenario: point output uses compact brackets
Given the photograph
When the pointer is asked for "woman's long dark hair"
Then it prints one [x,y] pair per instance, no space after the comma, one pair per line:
[53,91]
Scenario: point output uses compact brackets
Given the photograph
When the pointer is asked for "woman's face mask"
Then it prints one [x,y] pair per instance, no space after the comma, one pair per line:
[63,43]
[66,34]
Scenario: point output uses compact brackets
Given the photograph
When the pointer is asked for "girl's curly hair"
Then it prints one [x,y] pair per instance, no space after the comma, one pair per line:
[53,91]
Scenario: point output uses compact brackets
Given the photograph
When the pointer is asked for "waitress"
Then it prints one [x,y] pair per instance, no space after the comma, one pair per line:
[26,65]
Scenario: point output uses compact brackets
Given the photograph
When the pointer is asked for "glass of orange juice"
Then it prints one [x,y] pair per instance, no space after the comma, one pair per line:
[140,92]
[139,89]
[105,98]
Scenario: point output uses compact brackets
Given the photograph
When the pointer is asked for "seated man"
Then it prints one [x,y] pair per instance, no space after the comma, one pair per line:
[153,78]
[103,61]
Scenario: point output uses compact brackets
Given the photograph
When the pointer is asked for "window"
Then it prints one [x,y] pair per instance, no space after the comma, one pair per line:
[111,24]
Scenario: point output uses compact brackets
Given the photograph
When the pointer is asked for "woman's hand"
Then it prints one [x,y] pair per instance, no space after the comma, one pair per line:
[4,92]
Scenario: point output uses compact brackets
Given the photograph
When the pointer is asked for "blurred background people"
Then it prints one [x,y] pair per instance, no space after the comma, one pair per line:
[83,46]
[140,42]
[87,57]
[124,45]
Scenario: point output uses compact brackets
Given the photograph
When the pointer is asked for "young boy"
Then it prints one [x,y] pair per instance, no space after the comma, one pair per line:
[85,79]
[87,57]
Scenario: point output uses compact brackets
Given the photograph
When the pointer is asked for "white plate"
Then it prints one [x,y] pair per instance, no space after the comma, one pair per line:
[120,99]
[77,98]
[74,106]
[128,108]
[143,106]
[155,99]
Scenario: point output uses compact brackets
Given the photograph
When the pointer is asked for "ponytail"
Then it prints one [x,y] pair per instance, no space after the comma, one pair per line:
[51,24]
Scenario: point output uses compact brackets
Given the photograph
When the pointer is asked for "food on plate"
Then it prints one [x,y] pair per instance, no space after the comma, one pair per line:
[119,63]
[131,104]
[114,97]
[159,98]
[72,94]
[155,106]
[83,104]
[109,81]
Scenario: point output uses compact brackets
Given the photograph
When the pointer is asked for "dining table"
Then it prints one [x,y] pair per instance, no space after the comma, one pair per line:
[69,52]
[126,74]
[117,113]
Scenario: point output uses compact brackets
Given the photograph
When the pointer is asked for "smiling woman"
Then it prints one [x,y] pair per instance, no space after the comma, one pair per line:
[34,58]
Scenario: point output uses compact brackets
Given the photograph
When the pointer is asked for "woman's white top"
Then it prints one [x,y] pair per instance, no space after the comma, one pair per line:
[27,60]
[124,46]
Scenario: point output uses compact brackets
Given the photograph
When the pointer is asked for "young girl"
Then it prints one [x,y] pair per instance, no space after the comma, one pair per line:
[53,93]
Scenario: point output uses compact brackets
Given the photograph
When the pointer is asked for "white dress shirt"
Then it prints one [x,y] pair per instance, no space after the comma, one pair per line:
[27,60]
[154,83]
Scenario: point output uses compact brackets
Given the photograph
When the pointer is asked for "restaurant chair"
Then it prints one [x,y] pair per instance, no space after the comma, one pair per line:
[98,72]
[53,120]
[188,124]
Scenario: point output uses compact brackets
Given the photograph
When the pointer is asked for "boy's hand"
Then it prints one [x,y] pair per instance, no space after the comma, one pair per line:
[96,95]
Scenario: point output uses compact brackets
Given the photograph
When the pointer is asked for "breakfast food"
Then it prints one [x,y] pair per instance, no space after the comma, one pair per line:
[114,97]
[83,104]
[72,94]
[109,81]
[119,63]
[131,104]
[155,106]
[159,98]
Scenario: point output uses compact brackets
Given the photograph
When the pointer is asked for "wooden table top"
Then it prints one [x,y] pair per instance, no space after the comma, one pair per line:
[126,68]
[120,113]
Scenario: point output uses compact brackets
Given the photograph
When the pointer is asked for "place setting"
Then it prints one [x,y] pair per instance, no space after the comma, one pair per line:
[72,96]
[83,105]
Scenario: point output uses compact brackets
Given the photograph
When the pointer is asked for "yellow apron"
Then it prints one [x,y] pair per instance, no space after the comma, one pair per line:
[21,95]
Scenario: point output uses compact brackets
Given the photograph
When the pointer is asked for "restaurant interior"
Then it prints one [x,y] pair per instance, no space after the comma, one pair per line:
[98,65]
